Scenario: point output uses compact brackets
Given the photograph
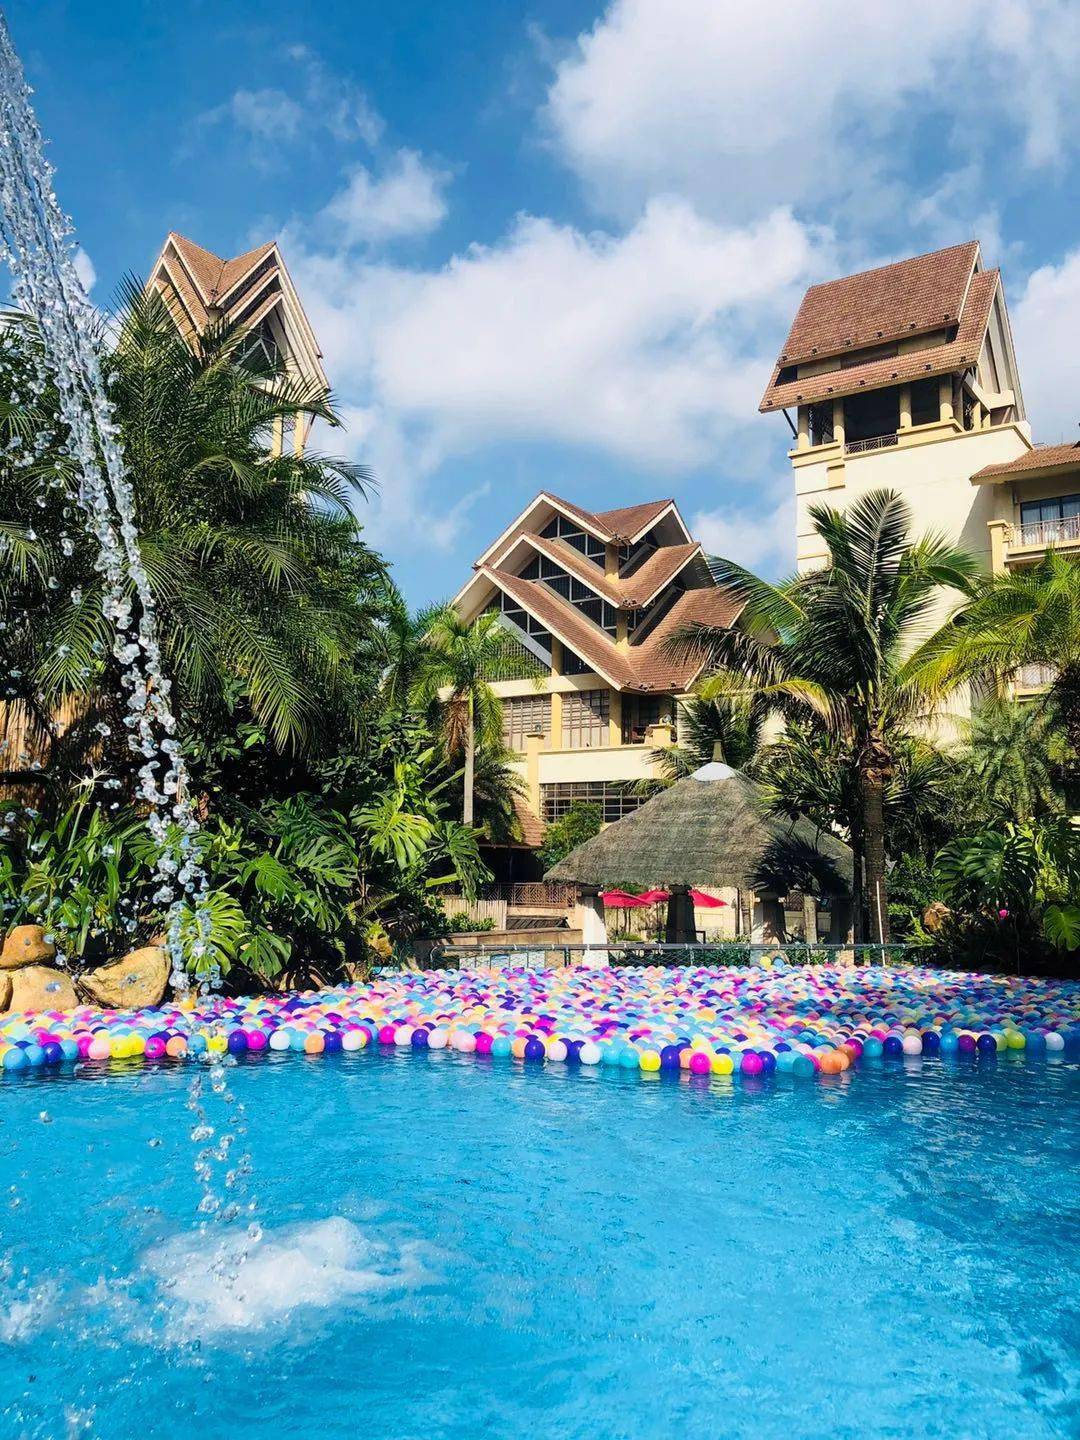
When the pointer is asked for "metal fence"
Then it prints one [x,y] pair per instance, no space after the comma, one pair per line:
[728,952]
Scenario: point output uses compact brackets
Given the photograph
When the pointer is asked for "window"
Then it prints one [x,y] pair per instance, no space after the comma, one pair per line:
[585,719]
[821,424]
[580,595]
[560,528]
[1048,522]
[871,415]
[524,715]
[615,798]
[573,664]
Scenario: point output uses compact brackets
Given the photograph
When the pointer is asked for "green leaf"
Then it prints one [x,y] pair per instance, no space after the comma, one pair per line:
[1061,926]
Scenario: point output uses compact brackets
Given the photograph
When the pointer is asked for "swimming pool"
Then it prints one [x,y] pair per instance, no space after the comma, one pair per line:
[458,1245]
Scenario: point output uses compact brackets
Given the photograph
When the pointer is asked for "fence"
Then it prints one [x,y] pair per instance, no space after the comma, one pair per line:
[553,956]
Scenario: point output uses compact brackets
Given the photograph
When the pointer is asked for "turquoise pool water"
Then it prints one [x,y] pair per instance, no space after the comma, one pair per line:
[455,1246]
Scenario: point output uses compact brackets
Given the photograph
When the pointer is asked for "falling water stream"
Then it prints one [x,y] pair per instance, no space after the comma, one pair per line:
[36,243]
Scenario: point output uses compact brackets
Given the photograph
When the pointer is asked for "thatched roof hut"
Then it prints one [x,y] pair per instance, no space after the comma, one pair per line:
[711,830]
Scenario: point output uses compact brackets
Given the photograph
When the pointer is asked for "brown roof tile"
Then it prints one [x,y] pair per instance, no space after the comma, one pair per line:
[957,354]
[654,572]
[629,521]
[531,826]
[906,298]
[1039,457]
[653,670]
[563,620]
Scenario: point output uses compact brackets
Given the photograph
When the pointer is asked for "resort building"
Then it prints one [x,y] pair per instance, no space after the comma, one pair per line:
[590,597]
[253,291]
[904,377]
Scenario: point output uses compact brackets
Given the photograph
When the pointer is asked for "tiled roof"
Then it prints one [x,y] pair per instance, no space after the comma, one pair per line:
[213,275]
[623,524]
[531,826]
[628,522]
[875,306]
[639,667]
[924,364]
[573,561]
[1040,457]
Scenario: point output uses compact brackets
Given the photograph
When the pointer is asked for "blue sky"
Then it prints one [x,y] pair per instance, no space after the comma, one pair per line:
[557,244]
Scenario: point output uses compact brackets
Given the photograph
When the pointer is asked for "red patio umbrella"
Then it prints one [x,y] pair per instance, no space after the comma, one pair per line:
[707,902]
[623,900]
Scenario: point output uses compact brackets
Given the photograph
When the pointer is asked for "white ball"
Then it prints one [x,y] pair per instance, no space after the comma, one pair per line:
[912,1045]
[279,1041]
[589,1054]
[403,1035]
[352,1040]
[556,1050]
[1054,1041]
[437,1039]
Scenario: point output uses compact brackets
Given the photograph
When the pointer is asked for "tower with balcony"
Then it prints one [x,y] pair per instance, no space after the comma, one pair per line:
[903,377]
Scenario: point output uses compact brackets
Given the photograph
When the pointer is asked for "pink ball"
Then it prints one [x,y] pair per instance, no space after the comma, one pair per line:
[386,1035]
[256,1039]
[155,1048]
[700,1064]
[483,1042]
[750,1064]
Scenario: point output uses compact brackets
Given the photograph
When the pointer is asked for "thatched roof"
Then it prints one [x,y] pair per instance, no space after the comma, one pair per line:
[712,829]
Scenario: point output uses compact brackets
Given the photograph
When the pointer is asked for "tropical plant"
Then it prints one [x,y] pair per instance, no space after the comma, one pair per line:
[720,728]
[454,685]
[1029,616]
[1012,758]
[580,823]
[262,586]
[829,648]
[1016,884]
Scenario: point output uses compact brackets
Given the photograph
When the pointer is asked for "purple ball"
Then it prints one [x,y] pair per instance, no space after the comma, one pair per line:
[669,1057]
[966,1043]
[331,1042]
[237,1042]
[534,1050]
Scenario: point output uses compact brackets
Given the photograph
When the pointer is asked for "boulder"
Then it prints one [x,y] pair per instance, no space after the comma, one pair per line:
[40,987]
[935,917]
[5,990]
[26,945]
[136,981]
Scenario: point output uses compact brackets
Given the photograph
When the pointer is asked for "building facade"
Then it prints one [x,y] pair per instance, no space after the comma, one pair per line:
[590,598]
[255,292]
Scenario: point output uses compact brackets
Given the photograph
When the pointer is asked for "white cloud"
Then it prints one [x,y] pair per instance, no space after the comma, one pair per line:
[760,536]
[652,346]
[84,268]
[406,199]
[748,103]
[1046,322]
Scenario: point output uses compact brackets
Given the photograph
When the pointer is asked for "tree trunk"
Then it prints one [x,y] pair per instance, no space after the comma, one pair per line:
[874,833]
[470,764]
[858,891]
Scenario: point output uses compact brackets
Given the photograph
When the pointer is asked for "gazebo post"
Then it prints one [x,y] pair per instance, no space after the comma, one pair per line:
[681,929]
[589,918]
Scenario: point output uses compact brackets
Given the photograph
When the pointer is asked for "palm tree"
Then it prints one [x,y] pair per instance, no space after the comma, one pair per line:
[264,590]
[829,647]
[720,728]
[462,657]
[1027,617]
[1011,761]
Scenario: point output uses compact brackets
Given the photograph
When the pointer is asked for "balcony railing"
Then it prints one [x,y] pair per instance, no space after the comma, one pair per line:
[872,442]
[1049,532]
[1035,677]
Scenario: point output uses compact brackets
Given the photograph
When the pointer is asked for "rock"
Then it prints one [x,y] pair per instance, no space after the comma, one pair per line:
[5,990]
[26,945]
[40,987]
[136,981]
[935,917]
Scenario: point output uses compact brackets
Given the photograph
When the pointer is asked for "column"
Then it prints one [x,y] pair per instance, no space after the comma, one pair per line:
[533,745]
[905,407]
[838,421]
[590,920]
[945,397]
[999,544]
[615,704]
[802,438]
[556,695]
[809,911]
[681,928]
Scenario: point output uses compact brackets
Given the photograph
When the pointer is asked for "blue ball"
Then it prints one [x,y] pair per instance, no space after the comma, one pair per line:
[52,1052]
[534,1050]
[237,1042]
[331,1042]
[419,1040]
[892,1045]
[768,1061]
[629,1060]
[986,1044]
[931,1042]
[669,1057]
[949,1042]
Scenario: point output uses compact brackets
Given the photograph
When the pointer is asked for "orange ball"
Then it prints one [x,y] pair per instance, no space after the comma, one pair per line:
[313,1045]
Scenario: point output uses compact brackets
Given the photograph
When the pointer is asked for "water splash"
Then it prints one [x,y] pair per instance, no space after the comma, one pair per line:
[35,242]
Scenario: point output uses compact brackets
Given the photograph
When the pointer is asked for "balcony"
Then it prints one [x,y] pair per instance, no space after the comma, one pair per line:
[1030,679]
[1030,541]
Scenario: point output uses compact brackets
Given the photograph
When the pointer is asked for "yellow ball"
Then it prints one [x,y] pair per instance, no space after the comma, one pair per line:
[216,1043]
[118,1049]
[650,1060]
[1015,1040]
[722,1065]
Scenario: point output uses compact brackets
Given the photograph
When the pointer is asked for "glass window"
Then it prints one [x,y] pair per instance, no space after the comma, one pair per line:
[1059,507]
[585,716]
[614,798]
[522,716]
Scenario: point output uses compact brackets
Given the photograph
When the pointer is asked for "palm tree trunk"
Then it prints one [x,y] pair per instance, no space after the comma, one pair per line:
[470,764]
[858,890]
[874,839]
